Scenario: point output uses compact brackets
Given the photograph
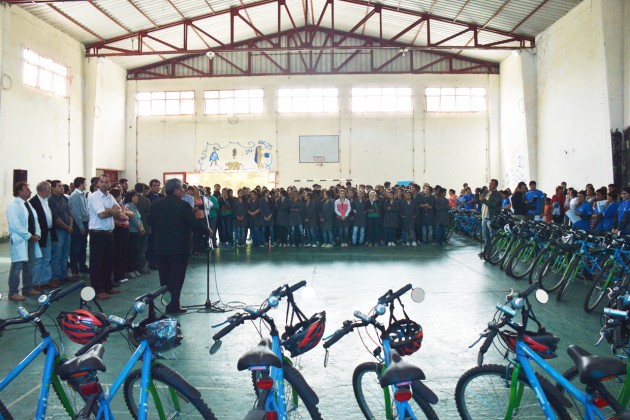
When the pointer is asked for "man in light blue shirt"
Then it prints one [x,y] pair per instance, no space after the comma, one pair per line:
[78,239]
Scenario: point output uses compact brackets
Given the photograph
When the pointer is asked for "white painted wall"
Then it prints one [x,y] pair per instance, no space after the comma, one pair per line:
[39,131]
[444,149]
[579,94]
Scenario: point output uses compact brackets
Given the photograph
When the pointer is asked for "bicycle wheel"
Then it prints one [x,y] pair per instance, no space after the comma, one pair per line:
[369,394]
[521,260]
[296,398]
[496,249]
[4,412]
[509,253]
[550,275]
[599,286]
[567,279]
[69,397]
[484,393]
[613,385]
[538,263]
[173,397]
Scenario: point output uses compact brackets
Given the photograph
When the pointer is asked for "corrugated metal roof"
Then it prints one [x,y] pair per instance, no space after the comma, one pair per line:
[111,19]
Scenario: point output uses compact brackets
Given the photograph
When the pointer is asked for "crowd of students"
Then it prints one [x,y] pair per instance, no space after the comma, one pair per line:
[341,215]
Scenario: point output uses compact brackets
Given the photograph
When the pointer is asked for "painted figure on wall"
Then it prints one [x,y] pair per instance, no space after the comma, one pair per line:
[248,157]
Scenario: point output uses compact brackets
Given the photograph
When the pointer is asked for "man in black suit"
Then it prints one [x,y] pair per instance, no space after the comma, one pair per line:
[171,224]
[42,271]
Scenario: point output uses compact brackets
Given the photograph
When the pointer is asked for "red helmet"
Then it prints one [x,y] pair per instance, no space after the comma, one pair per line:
[81,326]
[405,336]
[305,335]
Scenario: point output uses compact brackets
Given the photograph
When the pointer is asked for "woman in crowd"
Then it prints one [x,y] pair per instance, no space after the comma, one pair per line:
[266,217]
[606,219]
[327,216]
[227,218]
[342,210]
[584,210]
[426,214]
[622,224]
[239,207]
[374,211]
[557,205]
[253,218]
[136,232]
[121,238]
[391,212]
[310,220]
[199,240]
[518,201]
[408,212]
[359,218]
[282,217]
[296,208]
[442,217]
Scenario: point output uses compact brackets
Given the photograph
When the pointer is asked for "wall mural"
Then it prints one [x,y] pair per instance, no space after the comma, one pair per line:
[516,172]
[233,156]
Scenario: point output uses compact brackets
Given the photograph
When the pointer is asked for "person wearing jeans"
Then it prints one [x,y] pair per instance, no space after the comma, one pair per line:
[64,225]
[42,271]
[490,207]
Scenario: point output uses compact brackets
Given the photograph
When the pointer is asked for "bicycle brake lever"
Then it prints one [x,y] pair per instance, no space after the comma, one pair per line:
[601,338]
[218,325]
[484,334]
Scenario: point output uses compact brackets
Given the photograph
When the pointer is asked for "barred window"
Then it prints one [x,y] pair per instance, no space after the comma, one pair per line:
[314,100]
[165,103]
[381,100]
[45,74]
[456,99]
[244,101]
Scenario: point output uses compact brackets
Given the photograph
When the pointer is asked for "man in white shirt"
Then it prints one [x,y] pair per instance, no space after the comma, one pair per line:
[102,208]
[24,232]
[42,270]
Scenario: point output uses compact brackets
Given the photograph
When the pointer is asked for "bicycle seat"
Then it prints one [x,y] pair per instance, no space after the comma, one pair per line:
[400,371]
[594,368]
[261,355]
[89,361]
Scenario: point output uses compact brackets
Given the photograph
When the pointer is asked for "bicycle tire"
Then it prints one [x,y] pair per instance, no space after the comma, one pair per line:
[509,253]
[163,375]
[598,288]
[483,392]
[567,279]
[614,386]
[550,275]
[496,249]
[369,394]
[538,264]
[4,412]
[522,251]
[294,394]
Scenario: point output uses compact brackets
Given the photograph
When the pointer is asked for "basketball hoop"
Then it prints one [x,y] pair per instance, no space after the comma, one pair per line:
[319,160]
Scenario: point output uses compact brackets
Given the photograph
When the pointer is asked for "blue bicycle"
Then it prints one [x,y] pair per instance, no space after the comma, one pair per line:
[46,346]
[154,391]
[270,368]
[375,384]
[515,390]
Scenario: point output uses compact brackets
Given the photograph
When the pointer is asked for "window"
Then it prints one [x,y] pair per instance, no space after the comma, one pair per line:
[234,101]
[456,99]
[308,100]
[45,74]
[381,100]
[165,103]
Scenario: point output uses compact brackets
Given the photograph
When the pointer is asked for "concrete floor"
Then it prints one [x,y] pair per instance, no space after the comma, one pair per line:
[461,292]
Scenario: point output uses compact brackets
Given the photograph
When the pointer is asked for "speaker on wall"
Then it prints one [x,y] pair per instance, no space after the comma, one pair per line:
[20,175]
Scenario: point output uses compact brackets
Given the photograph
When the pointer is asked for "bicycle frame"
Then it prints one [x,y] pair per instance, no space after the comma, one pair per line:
[47,345]
[403,408]
[275,400]
[523,357]
[143,351]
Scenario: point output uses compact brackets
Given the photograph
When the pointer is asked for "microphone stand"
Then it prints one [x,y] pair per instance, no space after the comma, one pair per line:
[208,306]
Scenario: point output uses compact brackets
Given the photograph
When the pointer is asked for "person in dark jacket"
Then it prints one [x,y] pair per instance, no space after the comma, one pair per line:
[518,201]
[42,271]
[227,218]
[327,216]
[267,207]
[253,218]
[426,214]
[359,219]
[442,217]
[239,207]
[391,211]
[172,222]
[374,210]
[310,220]
[408,214]
[282,218]
[296,208]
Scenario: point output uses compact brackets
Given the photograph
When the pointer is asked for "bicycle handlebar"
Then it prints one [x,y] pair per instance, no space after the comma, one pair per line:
[346,329]
[616,313]
[283,291]
[390,296]
[149,297]
[64,292]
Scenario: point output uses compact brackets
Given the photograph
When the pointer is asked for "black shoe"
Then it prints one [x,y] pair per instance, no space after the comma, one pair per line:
[174,311]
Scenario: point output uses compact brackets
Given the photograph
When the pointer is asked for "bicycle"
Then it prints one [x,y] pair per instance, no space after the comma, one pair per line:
[154,390]
[515,390]
[615,272]
[374,384]
[268,365]
[46,346]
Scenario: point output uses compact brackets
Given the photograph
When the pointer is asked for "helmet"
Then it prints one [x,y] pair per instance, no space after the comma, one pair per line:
[305,335]
[405,336]
[81,326]
[544,344]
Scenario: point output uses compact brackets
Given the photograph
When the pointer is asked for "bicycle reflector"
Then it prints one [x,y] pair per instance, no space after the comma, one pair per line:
[272,415]
[264,383]
[403,393]
[90,388]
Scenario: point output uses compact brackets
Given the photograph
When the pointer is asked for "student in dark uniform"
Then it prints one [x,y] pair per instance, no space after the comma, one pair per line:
[172,223]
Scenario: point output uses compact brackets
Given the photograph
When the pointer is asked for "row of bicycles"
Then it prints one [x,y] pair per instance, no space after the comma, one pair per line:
[464,222]
[388,387]
[554,257]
